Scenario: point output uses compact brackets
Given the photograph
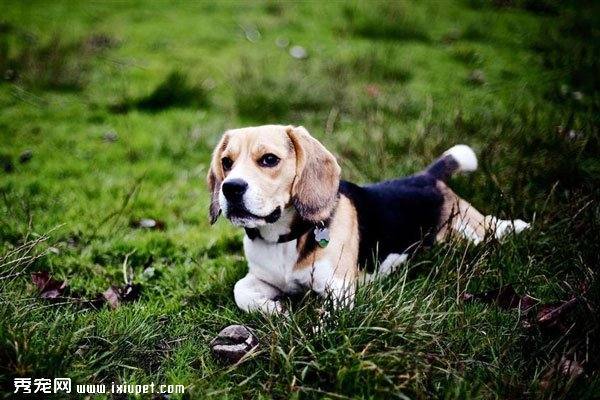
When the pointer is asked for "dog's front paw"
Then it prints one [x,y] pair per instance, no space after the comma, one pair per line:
[273,307]
[326,321]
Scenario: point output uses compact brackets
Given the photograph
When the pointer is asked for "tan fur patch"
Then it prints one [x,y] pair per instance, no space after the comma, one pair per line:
[342,251]
[458,216]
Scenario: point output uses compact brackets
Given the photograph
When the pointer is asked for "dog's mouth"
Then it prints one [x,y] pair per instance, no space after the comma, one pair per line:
[240,214]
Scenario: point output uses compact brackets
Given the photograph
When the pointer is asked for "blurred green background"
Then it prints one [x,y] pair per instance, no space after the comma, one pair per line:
[109,112]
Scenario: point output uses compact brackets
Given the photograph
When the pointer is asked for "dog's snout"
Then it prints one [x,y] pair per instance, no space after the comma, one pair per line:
[234,189]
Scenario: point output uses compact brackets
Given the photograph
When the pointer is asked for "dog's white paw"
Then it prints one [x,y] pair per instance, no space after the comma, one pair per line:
[520,225]
[505,227]
[273,307]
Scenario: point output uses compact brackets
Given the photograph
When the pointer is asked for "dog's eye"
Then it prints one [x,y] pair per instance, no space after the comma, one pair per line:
[227,163]
[268,160]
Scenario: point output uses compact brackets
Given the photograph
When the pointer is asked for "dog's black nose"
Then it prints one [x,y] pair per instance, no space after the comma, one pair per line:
[234,189]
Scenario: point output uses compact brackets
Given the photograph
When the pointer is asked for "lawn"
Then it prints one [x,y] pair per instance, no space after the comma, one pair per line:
[109,113]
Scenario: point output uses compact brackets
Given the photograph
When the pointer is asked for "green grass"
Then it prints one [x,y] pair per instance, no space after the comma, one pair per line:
[122,103]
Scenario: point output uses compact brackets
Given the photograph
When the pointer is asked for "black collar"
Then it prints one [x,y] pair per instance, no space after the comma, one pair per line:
[298,228]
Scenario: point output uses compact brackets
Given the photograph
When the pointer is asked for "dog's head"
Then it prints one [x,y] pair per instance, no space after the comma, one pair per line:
[257,172]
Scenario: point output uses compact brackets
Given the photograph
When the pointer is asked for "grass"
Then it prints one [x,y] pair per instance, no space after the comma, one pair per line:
[117,122]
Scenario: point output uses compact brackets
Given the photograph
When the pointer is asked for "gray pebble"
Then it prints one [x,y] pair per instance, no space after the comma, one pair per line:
[477,77]
[233,342]
[25,156]
[298,52]
[282,42]
[110,136]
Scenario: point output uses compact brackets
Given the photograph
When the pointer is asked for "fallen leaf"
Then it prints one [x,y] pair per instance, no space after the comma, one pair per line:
[527,302]
[570,368]
[112,297]
[373,90]
[505,297]
[567,367]
[552,315]
[48,287]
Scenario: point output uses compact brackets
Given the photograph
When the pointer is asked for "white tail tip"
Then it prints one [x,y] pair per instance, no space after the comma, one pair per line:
[464,156]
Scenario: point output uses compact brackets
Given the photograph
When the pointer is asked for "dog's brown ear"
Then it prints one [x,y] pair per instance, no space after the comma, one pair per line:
[215,178]
[315,188]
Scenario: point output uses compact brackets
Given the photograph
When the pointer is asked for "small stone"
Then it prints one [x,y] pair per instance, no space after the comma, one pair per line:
[577,95]
[149,272]
[282,43]
[452,35]
[25,156]
[233,343]
[477,77]
[298,52]
[147,223]
[110,136]
[574,135]
[73,241]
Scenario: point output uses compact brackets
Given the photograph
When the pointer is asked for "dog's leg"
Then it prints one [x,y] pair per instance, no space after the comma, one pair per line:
[339,290]
[470,224]
[503,227]
[390,264]
[341,294]
[252,294]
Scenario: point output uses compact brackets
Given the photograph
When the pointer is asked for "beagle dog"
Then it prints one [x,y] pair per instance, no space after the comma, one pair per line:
[306,229]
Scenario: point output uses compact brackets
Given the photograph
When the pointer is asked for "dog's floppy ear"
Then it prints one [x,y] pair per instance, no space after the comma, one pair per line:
[315,187]
[215,178]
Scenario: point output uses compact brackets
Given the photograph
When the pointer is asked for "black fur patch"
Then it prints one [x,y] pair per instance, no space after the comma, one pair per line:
[394,216]
[443,167]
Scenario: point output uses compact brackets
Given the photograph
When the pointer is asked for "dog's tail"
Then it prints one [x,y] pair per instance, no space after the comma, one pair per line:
[459,158]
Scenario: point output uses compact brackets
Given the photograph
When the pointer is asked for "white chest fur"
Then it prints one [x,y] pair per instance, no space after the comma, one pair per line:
[274,263]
